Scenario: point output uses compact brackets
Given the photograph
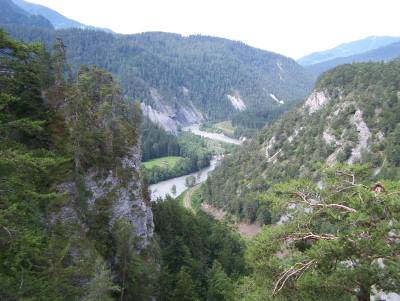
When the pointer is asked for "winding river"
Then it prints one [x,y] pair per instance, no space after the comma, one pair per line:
[162,189]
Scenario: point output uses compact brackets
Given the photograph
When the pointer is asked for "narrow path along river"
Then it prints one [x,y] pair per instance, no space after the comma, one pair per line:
[187,198]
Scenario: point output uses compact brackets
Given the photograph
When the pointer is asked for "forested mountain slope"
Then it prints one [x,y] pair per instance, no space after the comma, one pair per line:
[351,117]
[75,217]
[182,80]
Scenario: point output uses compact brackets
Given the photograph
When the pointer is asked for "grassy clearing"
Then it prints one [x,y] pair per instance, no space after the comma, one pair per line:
[220,148]
[225,127]
[169,162]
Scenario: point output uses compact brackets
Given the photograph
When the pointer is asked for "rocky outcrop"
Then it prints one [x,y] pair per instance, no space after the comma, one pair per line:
[127,203]
[170,119]
[118,192]
[163,119]
[363,135]
[278,101]
[329,138]
[270,145]
[316,101]
[237,102]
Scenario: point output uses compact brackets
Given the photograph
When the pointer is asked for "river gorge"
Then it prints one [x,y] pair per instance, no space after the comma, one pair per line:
[164,188]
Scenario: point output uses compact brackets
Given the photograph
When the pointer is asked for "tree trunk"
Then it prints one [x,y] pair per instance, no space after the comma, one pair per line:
[364,294]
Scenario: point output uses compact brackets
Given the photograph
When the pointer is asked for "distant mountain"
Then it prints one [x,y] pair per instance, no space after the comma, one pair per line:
[11,14]
[59,21]
[183,80]
[347,49]
[351,117]
[385,53]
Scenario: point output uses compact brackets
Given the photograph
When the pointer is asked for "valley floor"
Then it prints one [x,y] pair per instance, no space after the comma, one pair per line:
[195,129]
[245,229]
[219,143]
[164,188]
[169,161]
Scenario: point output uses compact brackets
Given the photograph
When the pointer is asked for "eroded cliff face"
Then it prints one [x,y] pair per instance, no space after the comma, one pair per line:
[115,195]
[171,117]
[125,191]
[336,124]
[105,229]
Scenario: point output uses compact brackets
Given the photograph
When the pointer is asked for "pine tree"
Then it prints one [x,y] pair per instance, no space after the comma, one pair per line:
[220,287]
[393,147]
[185,289]
[340,242]
[28,169]
[102,285]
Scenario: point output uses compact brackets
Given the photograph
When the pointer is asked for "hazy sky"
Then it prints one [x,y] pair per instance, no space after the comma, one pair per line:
[290,27]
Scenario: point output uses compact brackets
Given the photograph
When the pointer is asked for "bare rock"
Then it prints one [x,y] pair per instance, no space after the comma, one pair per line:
[316,101]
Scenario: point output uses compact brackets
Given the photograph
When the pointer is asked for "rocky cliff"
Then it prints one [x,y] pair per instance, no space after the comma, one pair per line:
[75,214]
[104,220]
[110,194]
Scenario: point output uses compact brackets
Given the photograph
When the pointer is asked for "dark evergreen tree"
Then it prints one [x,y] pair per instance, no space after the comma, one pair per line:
[220,287]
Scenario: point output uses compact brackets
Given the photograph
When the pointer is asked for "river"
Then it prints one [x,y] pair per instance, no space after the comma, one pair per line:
[161,189]
[195,129]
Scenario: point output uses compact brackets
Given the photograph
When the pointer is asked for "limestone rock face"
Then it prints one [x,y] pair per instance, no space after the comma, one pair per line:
[316,101]
[168,117]
[363,135]
[118,193]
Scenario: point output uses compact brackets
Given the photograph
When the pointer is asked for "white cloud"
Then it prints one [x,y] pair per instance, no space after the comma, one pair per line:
[290,27]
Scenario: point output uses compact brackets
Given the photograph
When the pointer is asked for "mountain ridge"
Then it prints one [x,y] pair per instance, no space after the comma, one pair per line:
[347,49]
[10,13]
[58,20]
[184,80]
[385,53]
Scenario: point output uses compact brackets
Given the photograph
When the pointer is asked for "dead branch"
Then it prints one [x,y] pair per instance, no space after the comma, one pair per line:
[394,192]
[304,200]
[294,272]
[350,175]
[311,236]
[7,230]
[391,239]
[342,189]
[348,209]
